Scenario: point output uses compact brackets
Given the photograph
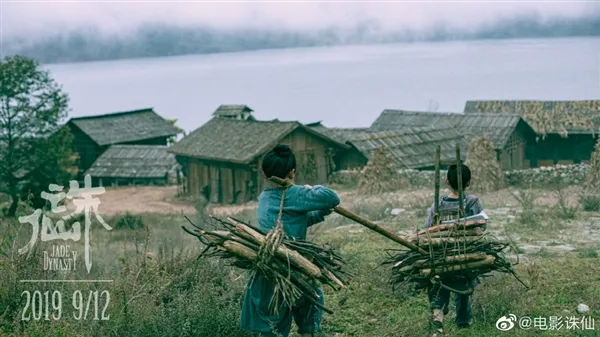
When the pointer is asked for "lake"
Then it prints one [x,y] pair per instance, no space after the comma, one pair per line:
[346,86]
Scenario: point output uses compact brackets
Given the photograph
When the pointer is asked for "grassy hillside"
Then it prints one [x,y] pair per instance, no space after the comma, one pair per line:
[159,288]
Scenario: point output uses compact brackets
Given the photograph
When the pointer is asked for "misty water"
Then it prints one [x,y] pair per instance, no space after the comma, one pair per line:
[342,86]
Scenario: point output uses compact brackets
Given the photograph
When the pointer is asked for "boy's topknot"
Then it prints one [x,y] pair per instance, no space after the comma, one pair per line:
[453,176]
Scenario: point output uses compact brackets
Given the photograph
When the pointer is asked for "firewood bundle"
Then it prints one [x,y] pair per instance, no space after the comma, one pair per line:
[297,267]
[460,249]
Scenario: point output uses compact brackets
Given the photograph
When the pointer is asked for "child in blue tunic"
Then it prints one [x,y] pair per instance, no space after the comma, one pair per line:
[303,207]
[439,298]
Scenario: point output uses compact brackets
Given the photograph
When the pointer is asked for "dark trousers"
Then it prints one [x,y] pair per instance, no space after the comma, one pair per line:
[439,298]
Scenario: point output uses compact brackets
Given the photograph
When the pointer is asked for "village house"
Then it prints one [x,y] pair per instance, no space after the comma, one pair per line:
[235,111]
[222,159]
[95,134]
[348,158]
[509,133]
[135,165]
[567,130]
[408,147]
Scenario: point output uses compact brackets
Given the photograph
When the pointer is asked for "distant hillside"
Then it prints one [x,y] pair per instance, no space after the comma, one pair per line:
[167,40]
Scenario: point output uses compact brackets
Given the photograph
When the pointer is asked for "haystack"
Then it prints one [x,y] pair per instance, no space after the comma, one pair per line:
[380,174]
[486,172]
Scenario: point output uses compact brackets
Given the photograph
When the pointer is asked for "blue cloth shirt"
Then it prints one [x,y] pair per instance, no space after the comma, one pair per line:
[302,208]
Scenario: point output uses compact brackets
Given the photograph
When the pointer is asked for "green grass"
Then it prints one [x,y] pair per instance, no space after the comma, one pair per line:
[171,293]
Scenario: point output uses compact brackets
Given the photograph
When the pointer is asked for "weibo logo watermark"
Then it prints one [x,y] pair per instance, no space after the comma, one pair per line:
[506,323]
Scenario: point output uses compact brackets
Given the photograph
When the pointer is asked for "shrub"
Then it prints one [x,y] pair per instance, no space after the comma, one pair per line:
[130,221]
[526,199]
[590,201]
[564,210]
[591,253]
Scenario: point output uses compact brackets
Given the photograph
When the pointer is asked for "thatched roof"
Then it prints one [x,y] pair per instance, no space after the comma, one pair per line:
[412,147]
[498,127]
[124,127]
[133,161]
[563,117]
[233,110]
[238,141]
[341,135]
[315,124]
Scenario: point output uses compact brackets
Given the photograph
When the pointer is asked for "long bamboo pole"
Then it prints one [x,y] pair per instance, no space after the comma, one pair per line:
[365,222]
[461,213]
[436,198]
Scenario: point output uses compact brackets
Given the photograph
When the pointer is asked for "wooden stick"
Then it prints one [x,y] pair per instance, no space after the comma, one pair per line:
[365,222]
[448,227]
[436,198]
[448,260]
[461,213]
[471,265]
[334,278]
[448,234]
[283,252]
[376,228]
[443,241]
[243,251]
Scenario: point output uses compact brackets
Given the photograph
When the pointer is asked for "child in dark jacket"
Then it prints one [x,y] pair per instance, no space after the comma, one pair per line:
[439,297]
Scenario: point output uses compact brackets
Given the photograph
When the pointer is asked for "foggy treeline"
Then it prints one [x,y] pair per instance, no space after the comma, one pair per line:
[153,40]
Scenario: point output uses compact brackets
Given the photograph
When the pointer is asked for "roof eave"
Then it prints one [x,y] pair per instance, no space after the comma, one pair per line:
[134,140]
[220,160]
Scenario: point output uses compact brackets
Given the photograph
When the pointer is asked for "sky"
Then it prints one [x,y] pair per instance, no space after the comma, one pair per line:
[29,18]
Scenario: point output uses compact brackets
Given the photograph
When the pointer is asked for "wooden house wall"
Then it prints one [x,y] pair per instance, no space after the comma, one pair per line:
[349,159]
[312,164]
[513,156]
[554,149]
[224,183]
[126,181]
[85,147]
[89,151]
[228,183]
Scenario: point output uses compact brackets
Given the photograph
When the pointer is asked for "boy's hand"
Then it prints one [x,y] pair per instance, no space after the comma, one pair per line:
[327,212]
[307,186]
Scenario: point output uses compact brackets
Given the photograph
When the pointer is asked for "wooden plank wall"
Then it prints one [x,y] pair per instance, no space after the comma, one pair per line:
[555,149]
[513,154]
[87,150]
[225,181]
[349,159]
[308,148]
[237,183]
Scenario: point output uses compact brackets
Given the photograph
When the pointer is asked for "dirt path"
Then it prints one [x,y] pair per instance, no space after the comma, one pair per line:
[143,199]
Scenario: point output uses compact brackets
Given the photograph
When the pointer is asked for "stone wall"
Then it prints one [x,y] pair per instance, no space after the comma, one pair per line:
[548,175]
[538,177]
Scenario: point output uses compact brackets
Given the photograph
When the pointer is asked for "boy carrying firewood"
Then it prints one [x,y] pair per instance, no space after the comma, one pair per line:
[439,291]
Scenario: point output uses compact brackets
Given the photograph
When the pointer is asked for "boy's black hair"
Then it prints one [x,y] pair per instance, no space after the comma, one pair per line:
[279,162]
[453,176]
